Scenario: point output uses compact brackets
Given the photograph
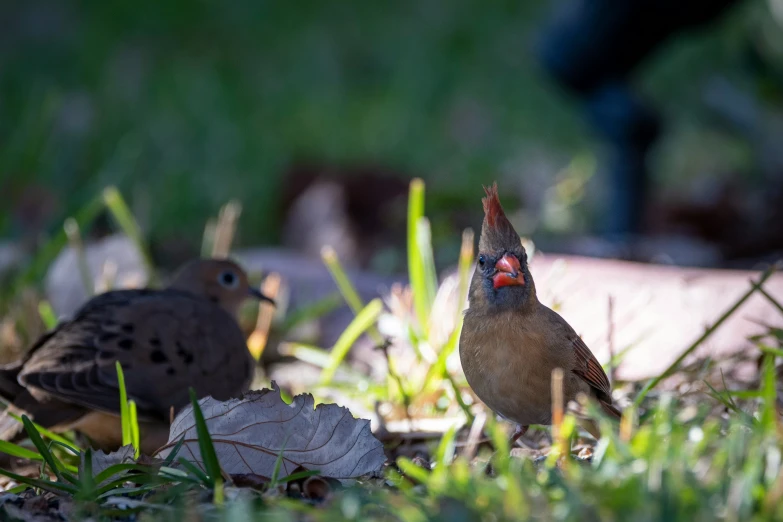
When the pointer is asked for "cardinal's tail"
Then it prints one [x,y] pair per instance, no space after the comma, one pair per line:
[610,409]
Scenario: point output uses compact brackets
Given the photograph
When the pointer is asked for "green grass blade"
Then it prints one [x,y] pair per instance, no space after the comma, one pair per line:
[46,485]
[18,489]
[123,467]
[196,471]
[769,393]
[172,455]
[318,357]
[145,478]
[416,266]
[278,464]
[445,452]
[438,369]
[424,242]
[363,320]
[9,448]
[344,285]
[42,448]
[174,472]
[124,409]
[413,471]
[122,214]
[770,350]
[47,314]
[86,479]
[207,449]
[134,428]
[178,475]
[49,434]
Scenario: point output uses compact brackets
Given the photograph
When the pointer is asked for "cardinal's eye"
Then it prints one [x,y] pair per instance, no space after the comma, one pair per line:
[228,279]
[482,261]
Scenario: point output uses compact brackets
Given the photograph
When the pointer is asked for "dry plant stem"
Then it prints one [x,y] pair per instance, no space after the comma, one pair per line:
[558,407]
[709,331]
[627,422]
[266,312]
[226,227]
[474,435]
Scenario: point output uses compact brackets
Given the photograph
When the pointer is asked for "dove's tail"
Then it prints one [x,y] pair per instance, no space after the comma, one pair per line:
[9,385]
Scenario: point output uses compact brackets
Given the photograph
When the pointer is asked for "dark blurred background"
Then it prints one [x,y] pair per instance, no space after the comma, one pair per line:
[319,113]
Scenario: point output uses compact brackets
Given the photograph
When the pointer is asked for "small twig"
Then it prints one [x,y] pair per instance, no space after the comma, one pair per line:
[610,339]
[707,333]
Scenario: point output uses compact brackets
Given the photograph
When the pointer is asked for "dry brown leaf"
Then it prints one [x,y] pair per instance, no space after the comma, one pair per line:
[249,434]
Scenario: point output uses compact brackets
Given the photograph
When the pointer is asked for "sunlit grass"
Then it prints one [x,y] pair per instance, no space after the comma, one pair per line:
[668,459]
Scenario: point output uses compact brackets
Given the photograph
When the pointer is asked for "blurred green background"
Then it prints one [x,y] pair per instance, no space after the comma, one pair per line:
[185,105]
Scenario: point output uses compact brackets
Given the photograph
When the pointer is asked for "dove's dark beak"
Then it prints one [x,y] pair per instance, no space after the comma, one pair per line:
[258,295]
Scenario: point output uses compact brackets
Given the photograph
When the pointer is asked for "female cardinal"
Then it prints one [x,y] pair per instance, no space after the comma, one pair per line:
[511,342]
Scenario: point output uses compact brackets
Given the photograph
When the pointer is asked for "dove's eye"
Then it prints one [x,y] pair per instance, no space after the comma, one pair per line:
[228,279]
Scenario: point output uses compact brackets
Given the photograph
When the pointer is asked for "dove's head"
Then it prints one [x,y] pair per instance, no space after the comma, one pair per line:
[219,280]
[502,279]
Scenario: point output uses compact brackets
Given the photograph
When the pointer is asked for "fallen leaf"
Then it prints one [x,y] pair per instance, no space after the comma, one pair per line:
[101,461]
[124,455]
[249,433]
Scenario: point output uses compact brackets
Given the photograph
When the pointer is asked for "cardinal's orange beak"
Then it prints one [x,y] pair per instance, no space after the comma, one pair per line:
[508,272]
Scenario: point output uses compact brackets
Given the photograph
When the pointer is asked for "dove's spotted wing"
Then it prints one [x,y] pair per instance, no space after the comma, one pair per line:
[166,342]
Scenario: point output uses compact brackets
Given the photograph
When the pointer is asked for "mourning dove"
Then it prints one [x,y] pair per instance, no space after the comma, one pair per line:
[166,341]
